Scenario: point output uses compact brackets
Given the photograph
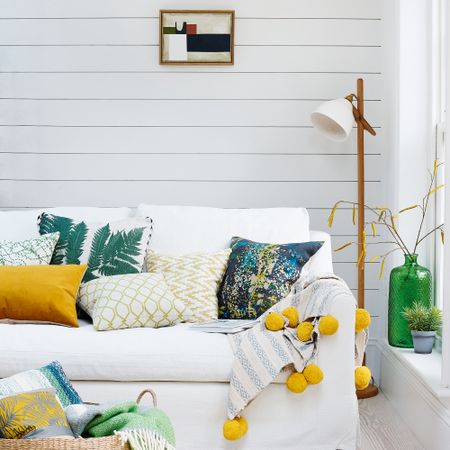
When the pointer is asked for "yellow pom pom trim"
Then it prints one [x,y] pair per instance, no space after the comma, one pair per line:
[313,374]
[362,377]
[291,313]
[304,331]
[243,423]
[233,430]
[328,325]
[297,382]
[274,321]
[362,320]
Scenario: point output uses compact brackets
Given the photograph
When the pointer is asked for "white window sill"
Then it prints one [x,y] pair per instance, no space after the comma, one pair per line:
[426,369]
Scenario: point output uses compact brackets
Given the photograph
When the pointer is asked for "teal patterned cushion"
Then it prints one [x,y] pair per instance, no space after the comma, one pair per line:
[113,248]
[49,376]
[32,252]
[259,275]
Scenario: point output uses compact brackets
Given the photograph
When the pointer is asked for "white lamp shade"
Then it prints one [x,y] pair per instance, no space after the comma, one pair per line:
[334,119]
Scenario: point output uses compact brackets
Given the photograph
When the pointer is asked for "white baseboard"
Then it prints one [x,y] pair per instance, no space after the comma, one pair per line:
[414,401]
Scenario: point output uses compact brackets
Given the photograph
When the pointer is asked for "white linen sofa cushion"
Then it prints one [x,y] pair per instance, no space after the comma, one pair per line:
[189,229]
[20,225]
[175,353]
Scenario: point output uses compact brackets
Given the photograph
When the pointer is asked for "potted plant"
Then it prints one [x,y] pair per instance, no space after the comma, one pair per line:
[409,282]
[423,323]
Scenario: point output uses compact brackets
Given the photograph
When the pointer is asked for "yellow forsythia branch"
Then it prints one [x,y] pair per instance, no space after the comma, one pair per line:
[382,268]
[435,189]
[331,216]
[408,208]
[343,246]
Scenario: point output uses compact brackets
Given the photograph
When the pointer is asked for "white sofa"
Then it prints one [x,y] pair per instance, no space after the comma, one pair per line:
[188,369]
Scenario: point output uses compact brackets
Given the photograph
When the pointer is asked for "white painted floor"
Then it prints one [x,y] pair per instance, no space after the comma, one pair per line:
[382,428]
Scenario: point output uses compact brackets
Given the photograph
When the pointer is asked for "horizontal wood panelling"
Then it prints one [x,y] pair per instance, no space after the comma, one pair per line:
[342,223]
[376,331]
[220,194]
[166,113]
[173,140]
[89,117]
[349,273]
[357,60]
[185,85]
[144,8]
[187,167]
[145,31]
[374,302]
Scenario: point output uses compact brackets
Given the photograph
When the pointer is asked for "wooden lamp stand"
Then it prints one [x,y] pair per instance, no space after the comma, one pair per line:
[363,125]
[335,119]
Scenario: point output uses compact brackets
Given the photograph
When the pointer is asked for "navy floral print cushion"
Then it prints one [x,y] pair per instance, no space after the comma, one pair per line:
[259,275]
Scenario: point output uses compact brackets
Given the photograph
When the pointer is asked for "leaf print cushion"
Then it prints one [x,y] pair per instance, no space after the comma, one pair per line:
[113,248]
[31,415]
[259,275]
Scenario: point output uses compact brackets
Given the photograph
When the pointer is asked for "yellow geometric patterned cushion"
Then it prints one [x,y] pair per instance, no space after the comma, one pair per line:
[194,279]
[131,301]
[36,414]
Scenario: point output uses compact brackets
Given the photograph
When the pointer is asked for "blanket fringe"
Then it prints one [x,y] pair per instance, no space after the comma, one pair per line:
[143,439]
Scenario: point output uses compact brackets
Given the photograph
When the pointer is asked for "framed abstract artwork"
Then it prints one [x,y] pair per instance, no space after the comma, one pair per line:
[196,37]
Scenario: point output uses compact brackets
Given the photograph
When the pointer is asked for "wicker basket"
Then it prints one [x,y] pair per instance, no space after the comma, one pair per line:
[104,443]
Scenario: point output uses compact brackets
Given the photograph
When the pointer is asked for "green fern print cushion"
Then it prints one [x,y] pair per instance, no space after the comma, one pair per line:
[108,249]
[32,252]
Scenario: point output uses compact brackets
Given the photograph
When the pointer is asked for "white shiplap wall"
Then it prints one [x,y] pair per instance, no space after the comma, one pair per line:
[89,117]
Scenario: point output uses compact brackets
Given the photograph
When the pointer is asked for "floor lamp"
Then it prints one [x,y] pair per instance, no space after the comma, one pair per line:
[335,119]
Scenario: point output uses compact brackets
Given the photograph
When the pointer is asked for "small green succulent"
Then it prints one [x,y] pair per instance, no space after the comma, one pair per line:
[421,318]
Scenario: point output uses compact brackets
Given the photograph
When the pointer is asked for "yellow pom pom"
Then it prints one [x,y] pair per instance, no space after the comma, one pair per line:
[313,374]
[232,430]
[362,320]
[274,321]
[362,377]
[297,382]
[291,313]
[328,325]
[304,331]
[243,423]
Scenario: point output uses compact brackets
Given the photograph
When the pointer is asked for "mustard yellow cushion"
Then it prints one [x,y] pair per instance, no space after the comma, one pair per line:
[40,293]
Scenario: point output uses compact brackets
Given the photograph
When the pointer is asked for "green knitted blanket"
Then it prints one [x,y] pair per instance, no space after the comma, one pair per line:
[144,429]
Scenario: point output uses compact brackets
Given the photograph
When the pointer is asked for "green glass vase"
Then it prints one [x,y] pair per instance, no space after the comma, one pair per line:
[408,283]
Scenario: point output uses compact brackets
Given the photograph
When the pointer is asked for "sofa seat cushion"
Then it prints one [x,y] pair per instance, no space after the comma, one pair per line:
[175,353]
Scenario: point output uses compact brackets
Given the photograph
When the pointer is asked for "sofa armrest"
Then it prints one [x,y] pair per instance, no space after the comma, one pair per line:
[337,352]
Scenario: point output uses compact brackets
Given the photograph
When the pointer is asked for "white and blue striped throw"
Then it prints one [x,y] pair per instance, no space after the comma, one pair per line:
[260,354]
